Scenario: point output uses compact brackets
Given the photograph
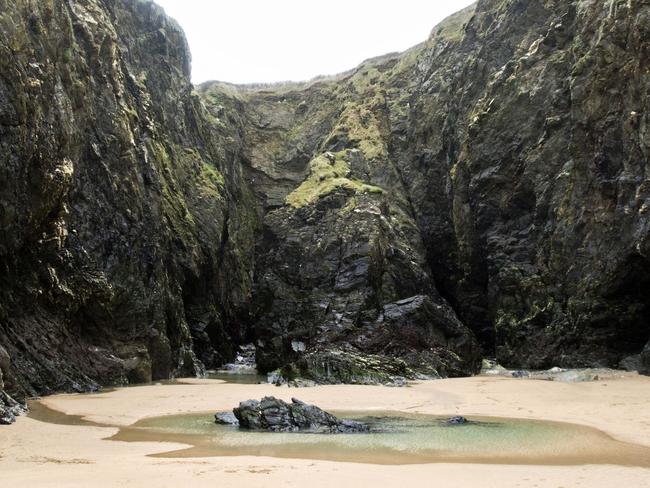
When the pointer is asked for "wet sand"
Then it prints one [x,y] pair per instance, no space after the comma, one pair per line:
[37,453]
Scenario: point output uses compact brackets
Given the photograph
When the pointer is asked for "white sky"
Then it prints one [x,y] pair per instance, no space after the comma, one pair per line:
[243,41]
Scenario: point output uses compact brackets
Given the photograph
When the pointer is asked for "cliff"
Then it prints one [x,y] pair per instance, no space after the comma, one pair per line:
[125,224]
[484,193]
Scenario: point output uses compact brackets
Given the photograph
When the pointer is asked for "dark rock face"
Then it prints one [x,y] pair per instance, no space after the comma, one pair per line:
[276,415]
[498,170]
[484,192]
[549,186]
[122,213]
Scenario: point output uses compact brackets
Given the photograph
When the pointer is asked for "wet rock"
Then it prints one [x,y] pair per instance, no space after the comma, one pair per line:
[644,367]
[276,378]
[520,374]
[492,368]
[272,414]
[576,376]
[351,367]
[398,382]
[9,409]
[226,418]
[244,361]
[458,420]
[302,383]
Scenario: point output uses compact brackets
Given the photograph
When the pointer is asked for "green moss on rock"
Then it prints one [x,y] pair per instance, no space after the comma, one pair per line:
[328,172]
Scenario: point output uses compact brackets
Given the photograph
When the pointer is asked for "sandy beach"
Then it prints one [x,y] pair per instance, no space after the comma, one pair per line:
[35,453]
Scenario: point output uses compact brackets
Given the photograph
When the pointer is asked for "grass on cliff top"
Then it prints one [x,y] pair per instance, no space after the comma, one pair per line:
[453,27]
[327,173]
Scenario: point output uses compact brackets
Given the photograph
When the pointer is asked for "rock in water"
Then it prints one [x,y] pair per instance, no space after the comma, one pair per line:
[225,418]
[275,415]
[458,420]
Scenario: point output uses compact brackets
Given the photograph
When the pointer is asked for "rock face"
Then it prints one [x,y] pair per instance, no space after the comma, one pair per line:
[275,415]
[125,228]
[494,177]
[485,192]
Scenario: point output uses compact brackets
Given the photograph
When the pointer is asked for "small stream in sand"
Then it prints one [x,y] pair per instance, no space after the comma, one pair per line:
[395,438]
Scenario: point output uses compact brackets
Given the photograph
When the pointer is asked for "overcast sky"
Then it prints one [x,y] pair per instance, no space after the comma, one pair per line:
[243,41]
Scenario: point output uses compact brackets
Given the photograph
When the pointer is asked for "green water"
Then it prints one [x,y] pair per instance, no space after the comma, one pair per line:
[398,438]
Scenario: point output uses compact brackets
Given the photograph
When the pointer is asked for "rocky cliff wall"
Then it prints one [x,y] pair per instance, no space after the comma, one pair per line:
[498,169]
[125,226]
[484,193]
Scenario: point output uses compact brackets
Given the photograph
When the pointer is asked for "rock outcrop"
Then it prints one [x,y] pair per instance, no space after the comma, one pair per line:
[644,367]
[495,174]
[9,407]
[125,226]
[485,192]
[275,415]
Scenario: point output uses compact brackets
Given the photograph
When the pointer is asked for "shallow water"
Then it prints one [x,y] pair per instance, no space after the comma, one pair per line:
[236,378]
[398,438]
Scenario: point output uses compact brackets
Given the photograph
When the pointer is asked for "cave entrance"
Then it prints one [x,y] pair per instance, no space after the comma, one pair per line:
[631,295]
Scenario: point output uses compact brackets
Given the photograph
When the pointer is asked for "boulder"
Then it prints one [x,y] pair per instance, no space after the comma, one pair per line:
[225,418]
[457,420]
[9,409]
[275,415]
[520,374]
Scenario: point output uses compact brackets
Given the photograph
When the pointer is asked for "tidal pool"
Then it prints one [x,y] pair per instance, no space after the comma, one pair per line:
[397,438]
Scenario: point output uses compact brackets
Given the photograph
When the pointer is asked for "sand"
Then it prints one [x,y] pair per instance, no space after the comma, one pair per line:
[36,454]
